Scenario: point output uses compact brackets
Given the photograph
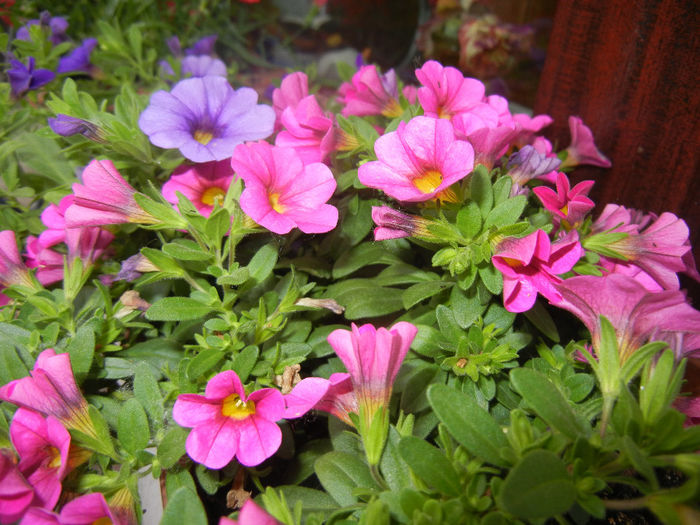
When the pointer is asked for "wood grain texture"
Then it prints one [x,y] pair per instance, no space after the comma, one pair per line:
[631,70]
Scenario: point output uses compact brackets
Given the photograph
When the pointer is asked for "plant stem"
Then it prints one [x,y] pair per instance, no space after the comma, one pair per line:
[377,476]
[625,504]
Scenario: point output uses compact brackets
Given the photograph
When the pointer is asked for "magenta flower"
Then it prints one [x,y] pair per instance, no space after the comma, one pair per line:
[293,88]
[370,93]
[104,197]
[637,314]
[690,406]
[251,514]
[567,205]
[582,149]
[48,264]
[225,423]
[445,92]
[532,264]
[281,192]
[304,396]
[42,445]
[205,118]
[308,130]
[203,184]
[15,493]
[339,400]
[51,390]
[418,160]
[12,269]
[89,509]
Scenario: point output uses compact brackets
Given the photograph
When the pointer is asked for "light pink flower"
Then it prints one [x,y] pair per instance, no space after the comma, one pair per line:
[418,160]
[373,357]
[567,205]
[203,184]
[582,149]
[445,92]
[251,514]
[51,390]
[411,93]
[637,314]
[308,130]
[104,198]
[531,265]
[293,88]
[42,445]
[281,192]
[89,509]
[15,493]
[227,423]
[370,93]
[304,396]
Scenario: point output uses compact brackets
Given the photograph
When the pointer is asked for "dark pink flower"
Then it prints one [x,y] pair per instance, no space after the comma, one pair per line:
[203,184]
[567,205]
[227,423]
[690,406]
[251,514]
[293,88]
[532,265]
[89,509]
[370,93]
[445,92]
[12,269]
[339,400]
[308,130]
[418,160]
[282,193]
[15,493]
[48,263]
[582,149]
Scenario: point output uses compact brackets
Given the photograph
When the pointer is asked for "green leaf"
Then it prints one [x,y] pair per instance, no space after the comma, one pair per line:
[539,486]
[480,189]
[184,508]
[244,362]
[469,220]
[540,317]
[172,447]
[420,291]
[177,309]
[430,465]
[81,350]
[311,500]
[148,393]
[506,213]
[365,254]
[492,278]
[202,363]
[469,424]
[548,402]
[340,473]
[262,263]
[363,298]
[11,364]
[218,224]
[132,426]
[186,250]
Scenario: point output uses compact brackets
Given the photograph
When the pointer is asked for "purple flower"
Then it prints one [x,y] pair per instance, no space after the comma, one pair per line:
[25,78]
[527,164]
[203,46]
[57,25]
[205,118]
[202,66]
[78,60]
[66,126]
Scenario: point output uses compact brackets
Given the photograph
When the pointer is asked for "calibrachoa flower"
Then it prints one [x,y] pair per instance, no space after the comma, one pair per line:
[637,314]
[43,445]
[582,149]
[48,263]
[293,88]
[568,206]
[67,126]
[104,197]
[205,118]
[15,493]
[370,93]
[308,130]
[373,357]
[89,509]
[78,60]
[204,184]
[339,400]
[57,26]
[418,160]
[393,224]
[12,269]
[202,66]
[445,92]
[532,264]
[51,390]
[527,164]
[25,78]
[227,423]
[281,192]
[251,514]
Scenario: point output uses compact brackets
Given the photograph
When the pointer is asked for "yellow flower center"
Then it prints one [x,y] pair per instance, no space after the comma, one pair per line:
[211,195]
[234,407]
[428,182]
[55,455]
[203,136]
[392,109]
[274,199]
[442,113]
[565,209]
[513,263]
[103,521]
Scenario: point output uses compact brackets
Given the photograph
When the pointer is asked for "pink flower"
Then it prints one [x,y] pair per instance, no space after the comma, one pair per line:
[203,184]
[568,205]
[690,406]
[582,149]
[12,269]
[42,445]
[304,396]
[393,224]
[15,493]
[339,400]
[89,509]
[51,390]
[369,93]
[482,127]
[373,357]
[281,192]
[532,264]
[308,130]
[225,423]
[637,314]
[418,160]
[293,88]
[251,514]
[104,198]
[47,262]
[445,92]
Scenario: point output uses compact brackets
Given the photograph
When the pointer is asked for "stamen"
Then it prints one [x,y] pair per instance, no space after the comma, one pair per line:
[275,203]
[428,182]
[203,136]
[234,407]
[211,195]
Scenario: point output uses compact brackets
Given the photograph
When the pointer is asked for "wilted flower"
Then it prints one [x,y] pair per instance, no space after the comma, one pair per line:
[445,92]
[582,149]
[67,126]
[531,265]
[418,160]
[281,192]
[393,224]
[203,184]
[78,60]
[25,78]
[205,118]
[370,93]
[528,164]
